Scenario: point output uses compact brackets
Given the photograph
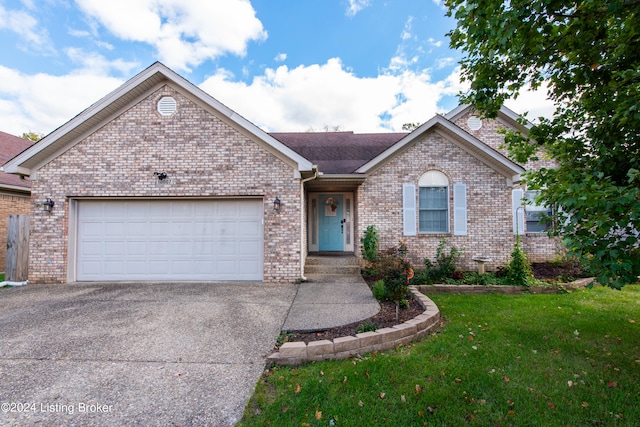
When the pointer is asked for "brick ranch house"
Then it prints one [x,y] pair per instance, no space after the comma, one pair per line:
[160,181]
[15,193]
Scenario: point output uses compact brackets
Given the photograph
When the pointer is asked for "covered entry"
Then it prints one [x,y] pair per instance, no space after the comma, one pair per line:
[330,222]
[169,240]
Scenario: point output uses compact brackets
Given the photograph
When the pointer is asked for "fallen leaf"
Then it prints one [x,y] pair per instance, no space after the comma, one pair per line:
[470,338]
[418,388]
[551,405]
[285,409]
[506,379]
[632,321]
[318,415]
[511,412]
[361,403]
[430,410]
[403,399]
[570,383]
[382,395]
[344,380]
[613,384]
[585,404]
[510,402]
[458,380]
[297,389]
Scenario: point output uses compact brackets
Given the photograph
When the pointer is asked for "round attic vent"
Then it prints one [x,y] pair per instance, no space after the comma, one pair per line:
[167,106]
[474,123]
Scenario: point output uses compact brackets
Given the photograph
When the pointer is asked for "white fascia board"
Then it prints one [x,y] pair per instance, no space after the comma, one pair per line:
[303,164]
[16,165]
[389,152]
[457,112]
[474,146]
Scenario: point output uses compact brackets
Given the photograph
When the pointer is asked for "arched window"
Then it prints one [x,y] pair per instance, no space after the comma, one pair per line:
[433,202]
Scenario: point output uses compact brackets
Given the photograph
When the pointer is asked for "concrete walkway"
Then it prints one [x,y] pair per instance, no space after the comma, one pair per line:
[335,295]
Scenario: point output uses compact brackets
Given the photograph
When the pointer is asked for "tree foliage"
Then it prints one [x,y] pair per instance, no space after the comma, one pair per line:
[32,136]
[587,54]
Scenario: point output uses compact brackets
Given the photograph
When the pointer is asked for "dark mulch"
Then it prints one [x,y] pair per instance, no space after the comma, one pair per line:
[386,317]
[550,271]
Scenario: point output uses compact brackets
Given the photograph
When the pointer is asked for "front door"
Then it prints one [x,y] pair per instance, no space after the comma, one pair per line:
[331,222]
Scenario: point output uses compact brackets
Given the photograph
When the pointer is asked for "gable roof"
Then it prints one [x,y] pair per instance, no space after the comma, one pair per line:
[131,92]
[10,146]
[505,115]
[458,136]
[338,152]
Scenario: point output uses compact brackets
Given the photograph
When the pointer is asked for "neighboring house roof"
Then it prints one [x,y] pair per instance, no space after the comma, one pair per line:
[10,146]
[463,139]
[131,92]
[338,152]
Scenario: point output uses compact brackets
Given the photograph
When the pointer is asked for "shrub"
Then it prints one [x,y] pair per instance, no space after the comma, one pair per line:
[370,244]
[396,269]
[379,290]
[445,265]
[519,271]
[366,326]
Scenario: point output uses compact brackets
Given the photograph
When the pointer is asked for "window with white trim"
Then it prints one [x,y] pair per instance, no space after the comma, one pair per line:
[433,203]
[536,215]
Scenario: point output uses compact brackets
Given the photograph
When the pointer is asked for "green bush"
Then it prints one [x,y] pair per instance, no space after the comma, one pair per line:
[379,290]
[366,326]
[519,270]
[370,244]
[445,265]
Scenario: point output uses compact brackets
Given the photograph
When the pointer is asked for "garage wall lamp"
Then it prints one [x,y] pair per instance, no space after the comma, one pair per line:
[161,175]
[276,204]
[47,206]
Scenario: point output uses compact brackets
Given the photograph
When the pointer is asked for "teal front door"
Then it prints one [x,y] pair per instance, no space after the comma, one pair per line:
[331,222]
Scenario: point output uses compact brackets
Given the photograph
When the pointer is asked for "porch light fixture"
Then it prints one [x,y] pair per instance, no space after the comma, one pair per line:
[47,206]
[276,204]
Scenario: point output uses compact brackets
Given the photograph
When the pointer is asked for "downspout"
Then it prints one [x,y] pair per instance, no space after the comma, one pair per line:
[302,211]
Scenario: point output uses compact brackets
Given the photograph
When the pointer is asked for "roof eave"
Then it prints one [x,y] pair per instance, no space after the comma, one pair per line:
[25,162]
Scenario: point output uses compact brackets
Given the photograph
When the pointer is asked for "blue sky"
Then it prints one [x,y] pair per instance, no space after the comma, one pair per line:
[286,65]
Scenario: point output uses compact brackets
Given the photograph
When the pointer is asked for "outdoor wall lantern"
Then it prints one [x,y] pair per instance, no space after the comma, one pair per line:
[276,204]
[47,206]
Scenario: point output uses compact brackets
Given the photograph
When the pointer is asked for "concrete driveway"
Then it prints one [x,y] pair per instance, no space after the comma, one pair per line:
[135,354]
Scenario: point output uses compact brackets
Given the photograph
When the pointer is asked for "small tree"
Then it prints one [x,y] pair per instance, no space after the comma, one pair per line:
[370,244]
[519,270]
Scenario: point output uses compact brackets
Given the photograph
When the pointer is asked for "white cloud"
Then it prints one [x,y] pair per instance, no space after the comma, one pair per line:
[281,57]
[26,26]
[356,6]
[43,102]
[535,102]
[185,33]
[315,96]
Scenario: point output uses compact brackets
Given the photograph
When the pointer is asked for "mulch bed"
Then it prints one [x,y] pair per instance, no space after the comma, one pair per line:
[386,317]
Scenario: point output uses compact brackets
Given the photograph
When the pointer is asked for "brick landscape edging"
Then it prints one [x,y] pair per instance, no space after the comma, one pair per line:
[295,353]
[500,289]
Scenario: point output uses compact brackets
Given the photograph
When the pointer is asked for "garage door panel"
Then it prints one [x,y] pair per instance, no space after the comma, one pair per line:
[170,240]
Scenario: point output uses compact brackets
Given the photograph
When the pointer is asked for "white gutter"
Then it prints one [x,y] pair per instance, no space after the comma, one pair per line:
[302,203]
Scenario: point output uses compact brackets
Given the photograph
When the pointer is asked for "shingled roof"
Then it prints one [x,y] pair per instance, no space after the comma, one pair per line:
[338,152]
[11,146]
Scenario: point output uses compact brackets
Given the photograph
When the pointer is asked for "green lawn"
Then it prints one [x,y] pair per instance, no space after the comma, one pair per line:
[525,360]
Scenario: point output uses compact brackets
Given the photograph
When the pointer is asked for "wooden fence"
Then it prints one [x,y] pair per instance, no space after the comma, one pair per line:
[17,266]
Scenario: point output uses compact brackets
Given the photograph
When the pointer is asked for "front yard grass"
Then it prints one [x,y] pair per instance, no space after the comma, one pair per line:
[509,360]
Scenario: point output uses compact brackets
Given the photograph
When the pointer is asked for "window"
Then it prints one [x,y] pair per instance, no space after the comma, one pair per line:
[433,203]
[537,215]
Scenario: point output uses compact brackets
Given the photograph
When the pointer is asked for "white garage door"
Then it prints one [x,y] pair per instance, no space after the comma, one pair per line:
[169,240]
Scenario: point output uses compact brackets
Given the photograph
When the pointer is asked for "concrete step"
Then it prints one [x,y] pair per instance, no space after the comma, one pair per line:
[332,269]
[332,260]
[334,278]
